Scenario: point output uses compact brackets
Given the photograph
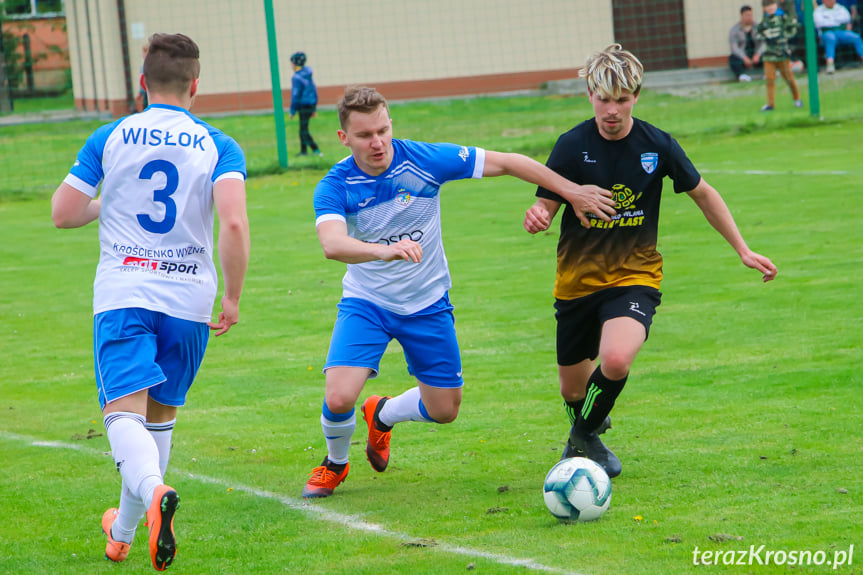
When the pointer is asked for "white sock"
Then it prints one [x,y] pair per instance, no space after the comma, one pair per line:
[405,407]
[162,434]
[135,453]
[131,510]
[338,430]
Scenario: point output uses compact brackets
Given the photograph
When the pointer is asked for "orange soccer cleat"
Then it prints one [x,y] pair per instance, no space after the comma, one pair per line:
[160,520]
[324,479]
[378,446]
[116,551]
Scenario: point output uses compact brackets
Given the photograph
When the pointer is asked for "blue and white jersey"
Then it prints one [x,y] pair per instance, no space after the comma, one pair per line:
[403,202]
[157,171]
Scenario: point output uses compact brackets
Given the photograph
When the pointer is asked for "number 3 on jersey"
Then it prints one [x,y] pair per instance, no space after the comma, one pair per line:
[162,196]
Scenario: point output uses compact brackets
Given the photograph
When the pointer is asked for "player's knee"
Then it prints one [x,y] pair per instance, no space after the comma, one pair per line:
[338,402]
[446,413]
[445,416]
[615,365]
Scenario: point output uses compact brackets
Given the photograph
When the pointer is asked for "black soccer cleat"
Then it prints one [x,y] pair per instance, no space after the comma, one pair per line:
[592,447]
[569,450]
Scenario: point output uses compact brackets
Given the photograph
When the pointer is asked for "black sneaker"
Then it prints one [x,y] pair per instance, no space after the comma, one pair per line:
[569,450]
[592,447]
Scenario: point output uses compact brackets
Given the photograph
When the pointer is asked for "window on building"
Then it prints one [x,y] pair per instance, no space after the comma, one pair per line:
[31,8]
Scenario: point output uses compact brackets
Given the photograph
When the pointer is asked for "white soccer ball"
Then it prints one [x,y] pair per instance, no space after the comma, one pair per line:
[577,489]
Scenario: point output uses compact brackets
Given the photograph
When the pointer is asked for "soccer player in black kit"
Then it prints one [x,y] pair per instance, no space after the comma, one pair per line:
[607,284]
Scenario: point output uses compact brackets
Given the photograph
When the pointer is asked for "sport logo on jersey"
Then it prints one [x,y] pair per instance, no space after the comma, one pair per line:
[464,154]
[141,263]
[624,198]
[415,235]
[404,198]
[649,161]
[162,266]
[628,214]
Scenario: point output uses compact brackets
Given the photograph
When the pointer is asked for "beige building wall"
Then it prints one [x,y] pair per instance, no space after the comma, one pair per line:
[80,72]
[95,54]
[708,23]
[409,48]
[231,34]
[432,39]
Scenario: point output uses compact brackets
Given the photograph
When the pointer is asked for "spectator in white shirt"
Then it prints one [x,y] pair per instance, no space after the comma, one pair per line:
[833,22]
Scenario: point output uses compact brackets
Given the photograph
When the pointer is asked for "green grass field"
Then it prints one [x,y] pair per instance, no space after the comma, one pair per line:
[41,104]
[740,425]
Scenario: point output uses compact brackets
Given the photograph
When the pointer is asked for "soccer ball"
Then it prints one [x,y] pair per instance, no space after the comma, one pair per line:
[577,489]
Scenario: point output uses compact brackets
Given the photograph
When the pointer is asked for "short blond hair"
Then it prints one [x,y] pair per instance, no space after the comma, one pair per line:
[612,71]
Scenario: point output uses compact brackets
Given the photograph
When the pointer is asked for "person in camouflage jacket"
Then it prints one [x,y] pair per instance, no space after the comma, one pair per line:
[777,30]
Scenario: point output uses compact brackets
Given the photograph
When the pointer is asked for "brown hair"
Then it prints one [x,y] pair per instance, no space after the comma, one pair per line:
[171,63]
[359,99]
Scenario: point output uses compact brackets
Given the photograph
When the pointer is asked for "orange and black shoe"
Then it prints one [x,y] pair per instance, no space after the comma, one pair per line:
[116,551]
[160,520]
[378,446]
[325,478]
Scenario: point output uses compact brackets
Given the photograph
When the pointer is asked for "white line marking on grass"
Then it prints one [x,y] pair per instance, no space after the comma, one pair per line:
[778,172]
[357,524]
[349,521]
[56,444]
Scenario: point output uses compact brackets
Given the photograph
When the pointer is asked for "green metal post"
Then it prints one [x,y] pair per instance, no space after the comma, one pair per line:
[811,59]
[278,104]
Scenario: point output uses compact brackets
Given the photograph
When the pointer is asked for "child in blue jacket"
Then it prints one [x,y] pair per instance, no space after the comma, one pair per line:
[304,99]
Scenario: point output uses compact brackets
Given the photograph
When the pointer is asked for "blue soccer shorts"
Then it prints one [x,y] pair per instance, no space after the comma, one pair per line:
[363,330]
[137,349]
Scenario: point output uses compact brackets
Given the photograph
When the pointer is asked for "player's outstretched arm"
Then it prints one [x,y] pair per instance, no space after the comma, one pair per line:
[719,216]
[229,196]
[540,215]
[339,246]
[71,208]
[583,199]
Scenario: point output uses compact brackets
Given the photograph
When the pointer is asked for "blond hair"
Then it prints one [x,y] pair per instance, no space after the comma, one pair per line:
[612,71]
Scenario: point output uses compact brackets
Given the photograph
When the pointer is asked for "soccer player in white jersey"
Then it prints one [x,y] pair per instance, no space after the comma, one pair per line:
[162,172]
[379,212]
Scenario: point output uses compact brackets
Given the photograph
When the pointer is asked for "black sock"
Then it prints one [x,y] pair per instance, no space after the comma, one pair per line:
[376,417]
[381,426]
[573,408]
[336,467]
[601,394]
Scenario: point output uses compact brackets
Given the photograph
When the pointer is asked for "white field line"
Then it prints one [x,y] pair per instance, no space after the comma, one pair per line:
[316,511]
[778,172]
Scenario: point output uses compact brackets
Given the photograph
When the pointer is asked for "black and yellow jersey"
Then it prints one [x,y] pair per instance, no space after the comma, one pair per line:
[621,252]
